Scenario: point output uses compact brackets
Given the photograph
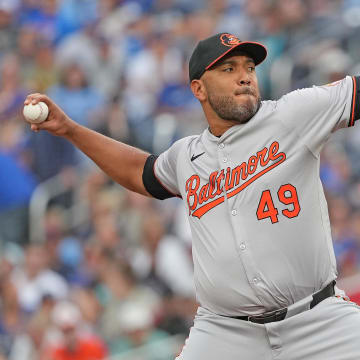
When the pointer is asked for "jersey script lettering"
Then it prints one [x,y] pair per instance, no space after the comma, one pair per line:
[202,200]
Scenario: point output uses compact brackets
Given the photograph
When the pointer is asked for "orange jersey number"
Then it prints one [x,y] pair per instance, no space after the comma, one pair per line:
[287,195]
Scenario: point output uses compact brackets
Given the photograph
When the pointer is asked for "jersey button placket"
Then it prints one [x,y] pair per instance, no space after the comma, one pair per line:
[246,256]
[242,247]
[223,156]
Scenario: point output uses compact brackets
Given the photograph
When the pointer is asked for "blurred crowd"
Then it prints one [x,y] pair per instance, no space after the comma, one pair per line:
[121,278]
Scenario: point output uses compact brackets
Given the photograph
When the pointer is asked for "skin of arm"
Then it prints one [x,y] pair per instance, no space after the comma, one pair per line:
[122,162]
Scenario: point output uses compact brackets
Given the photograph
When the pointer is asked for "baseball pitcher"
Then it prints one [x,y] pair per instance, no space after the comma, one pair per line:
[264,264]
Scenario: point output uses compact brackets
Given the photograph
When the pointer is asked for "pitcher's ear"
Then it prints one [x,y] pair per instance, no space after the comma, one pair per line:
[199,90]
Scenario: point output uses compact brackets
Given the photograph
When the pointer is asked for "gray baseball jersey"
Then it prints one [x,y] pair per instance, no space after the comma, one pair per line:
[256,205]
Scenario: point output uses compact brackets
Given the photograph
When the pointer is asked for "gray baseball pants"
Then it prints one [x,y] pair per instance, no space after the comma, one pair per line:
[329,331]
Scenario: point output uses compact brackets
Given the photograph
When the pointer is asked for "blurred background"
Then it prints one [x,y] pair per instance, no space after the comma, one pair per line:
[89,270]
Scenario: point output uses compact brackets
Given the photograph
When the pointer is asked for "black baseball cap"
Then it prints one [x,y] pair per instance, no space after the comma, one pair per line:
[209,51]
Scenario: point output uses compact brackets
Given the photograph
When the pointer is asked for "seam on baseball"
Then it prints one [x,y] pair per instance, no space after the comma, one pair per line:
[41,111]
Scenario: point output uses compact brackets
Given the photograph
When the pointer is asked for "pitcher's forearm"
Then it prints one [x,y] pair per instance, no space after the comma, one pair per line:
[122,162]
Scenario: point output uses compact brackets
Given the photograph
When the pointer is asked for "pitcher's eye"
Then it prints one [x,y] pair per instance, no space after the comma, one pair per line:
[228,69]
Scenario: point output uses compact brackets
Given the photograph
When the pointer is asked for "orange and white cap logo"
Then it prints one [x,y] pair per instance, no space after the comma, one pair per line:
[229,40]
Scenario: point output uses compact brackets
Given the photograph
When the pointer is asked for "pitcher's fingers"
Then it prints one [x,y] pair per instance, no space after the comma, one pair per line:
[40,97]
[29,98]
[34,127]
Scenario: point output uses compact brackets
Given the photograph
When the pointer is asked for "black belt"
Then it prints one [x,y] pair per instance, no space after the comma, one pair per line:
[279,315]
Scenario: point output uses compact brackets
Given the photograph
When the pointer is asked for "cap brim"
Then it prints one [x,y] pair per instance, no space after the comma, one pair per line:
[256,51]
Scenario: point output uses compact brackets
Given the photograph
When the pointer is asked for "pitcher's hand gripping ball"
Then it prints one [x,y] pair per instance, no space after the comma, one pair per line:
[37,113]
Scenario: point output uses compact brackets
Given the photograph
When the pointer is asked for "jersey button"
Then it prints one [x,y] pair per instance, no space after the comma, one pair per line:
[221,146]
[233,212]
[242,246]
[225,160]
[256,280]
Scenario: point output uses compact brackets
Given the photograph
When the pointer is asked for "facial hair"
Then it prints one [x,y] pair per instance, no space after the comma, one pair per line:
[228,109]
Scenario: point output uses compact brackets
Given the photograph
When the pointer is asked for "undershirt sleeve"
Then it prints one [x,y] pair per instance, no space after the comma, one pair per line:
[151,183]
[355,103]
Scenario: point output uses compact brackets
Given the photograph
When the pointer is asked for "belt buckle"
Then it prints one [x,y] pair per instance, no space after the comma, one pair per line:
[276,315]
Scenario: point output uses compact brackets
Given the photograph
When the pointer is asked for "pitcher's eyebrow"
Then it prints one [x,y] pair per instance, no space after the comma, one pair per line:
[233,62]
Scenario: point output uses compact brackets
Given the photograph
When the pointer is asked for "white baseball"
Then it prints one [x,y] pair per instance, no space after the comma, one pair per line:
[36,113]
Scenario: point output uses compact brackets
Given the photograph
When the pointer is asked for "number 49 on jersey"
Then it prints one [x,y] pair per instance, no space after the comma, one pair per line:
[287,195]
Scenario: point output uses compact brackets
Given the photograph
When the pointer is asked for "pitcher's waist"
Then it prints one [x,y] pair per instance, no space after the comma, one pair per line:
[302,305]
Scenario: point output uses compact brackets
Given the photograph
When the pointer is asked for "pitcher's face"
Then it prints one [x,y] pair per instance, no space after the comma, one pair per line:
[232,88]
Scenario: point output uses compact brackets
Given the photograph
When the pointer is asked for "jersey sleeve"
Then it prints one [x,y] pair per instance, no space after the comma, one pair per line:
[160,173]
[316,112]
